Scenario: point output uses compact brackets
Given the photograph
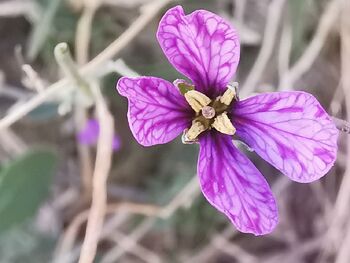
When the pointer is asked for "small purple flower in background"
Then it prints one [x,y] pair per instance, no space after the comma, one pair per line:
[89,135]
[290,130]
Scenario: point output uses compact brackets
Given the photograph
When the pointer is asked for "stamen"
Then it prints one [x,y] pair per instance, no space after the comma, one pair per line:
[197,100]
[223,124]
[185,140]
[196,129]
[228,96]
[208,112]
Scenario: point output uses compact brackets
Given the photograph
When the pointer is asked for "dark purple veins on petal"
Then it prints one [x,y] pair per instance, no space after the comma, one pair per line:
[157,111]
[202,46]
[233,185]
[291,131]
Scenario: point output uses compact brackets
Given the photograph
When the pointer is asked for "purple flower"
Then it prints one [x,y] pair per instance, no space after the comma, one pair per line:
[290,130]
[89,135]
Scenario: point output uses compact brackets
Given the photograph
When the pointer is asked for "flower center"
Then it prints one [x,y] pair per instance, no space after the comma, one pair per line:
[209,113]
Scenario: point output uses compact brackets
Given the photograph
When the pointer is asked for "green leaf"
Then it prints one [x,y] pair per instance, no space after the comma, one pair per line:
[297,11]
[44,112]
[24,183]
[42,29]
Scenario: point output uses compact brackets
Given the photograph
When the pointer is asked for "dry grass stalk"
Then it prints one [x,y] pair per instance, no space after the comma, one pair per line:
[149,12]
[101,171]
[342,202]
[270,35]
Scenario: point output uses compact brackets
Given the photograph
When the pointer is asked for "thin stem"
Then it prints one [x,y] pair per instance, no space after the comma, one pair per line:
[102,167]
[65,61]
[82,43]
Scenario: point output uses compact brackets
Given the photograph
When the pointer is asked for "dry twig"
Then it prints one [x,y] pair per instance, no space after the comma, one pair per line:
[342,202]
[82,42]
[304,63]
[101,171]
[147,14]
[131,246]
[184,197]
[270,35]
[67,240]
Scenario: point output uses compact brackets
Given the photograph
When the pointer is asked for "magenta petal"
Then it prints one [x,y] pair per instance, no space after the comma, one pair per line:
[116,143]
[233,185]
[202,46]
[157,111]
[89,134]
[291,131]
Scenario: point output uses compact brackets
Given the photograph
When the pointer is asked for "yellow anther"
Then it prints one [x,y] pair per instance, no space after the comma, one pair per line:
[223,124]
[228,96]
[196,129]
[197,100]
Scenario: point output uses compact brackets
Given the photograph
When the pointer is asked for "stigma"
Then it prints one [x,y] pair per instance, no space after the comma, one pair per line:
[209,114]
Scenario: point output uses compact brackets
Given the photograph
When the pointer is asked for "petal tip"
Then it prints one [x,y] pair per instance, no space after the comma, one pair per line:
[234,186]
[121,86]
[290,130]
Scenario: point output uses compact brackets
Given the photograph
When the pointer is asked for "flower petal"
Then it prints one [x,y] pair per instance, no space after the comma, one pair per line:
[202,46]
[291,131]
[234,186]
[116,143]
[157,111]
[89,134]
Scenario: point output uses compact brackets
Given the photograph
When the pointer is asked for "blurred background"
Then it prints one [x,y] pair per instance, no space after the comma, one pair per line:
[155,211]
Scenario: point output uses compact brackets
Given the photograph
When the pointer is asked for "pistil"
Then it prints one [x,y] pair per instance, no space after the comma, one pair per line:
[208,112]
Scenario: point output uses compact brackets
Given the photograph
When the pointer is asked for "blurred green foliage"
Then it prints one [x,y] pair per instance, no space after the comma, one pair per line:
[42,29]
[45,111]
[24,184]
[297,20]
[25,244]
[59,27]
